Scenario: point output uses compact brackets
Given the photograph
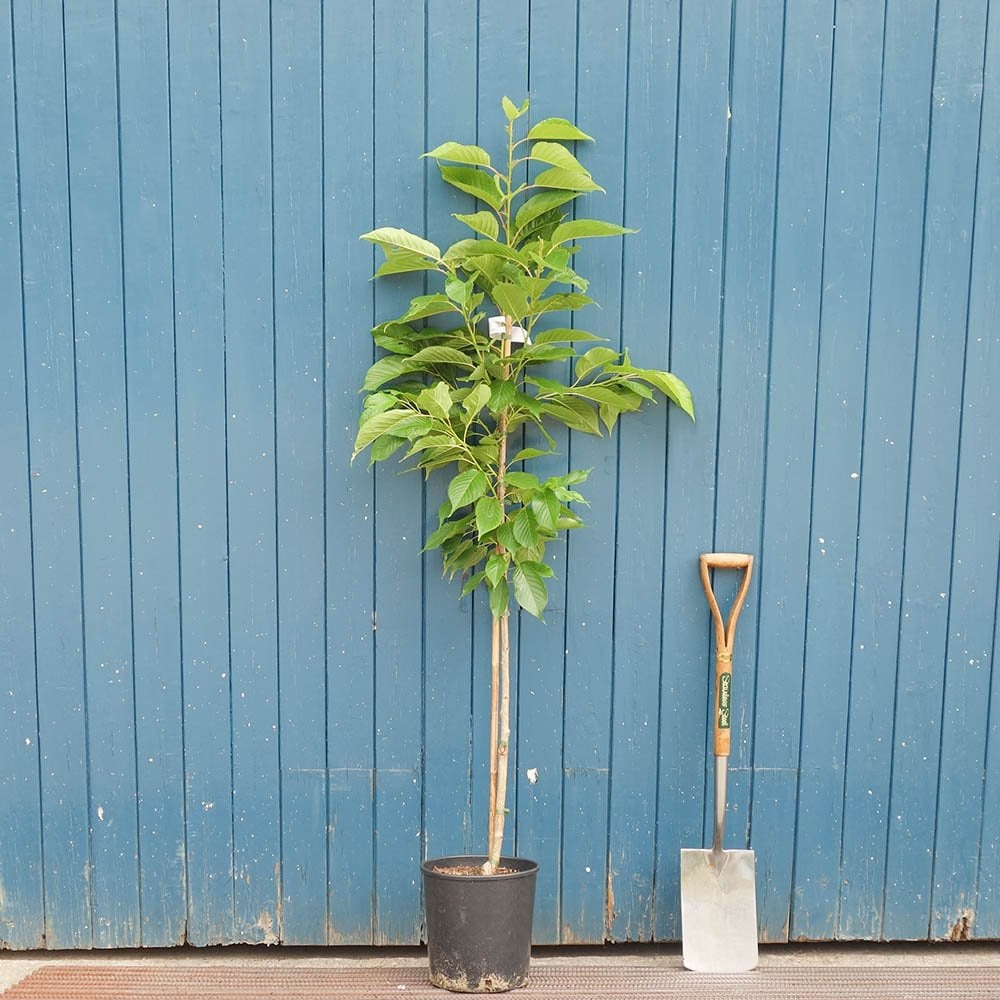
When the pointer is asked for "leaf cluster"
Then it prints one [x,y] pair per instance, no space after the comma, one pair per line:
[447,395]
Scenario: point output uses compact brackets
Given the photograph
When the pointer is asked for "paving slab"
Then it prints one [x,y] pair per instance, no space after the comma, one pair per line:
[969,969]
[144,981]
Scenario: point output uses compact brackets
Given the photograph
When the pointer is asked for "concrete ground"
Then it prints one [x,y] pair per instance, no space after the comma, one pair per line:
[14,966]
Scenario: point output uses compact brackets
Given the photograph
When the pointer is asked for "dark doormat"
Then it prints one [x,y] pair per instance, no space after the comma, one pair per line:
[185,982]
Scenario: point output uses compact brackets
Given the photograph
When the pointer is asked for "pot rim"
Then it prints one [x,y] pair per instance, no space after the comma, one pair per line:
[525,867]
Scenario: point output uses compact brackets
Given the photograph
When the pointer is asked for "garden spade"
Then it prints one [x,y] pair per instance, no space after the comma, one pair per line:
[718,889]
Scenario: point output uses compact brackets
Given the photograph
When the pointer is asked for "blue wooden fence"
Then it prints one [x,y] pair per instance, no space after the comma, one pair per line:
[236,704]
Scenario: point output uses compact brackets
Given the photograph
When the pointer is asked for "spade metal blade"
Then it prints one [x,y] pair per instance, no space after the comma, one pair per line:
[719,910]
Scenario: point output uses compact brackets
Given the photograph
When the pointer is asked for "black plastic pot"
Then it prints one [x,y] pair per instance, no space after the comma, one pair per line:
[479,926]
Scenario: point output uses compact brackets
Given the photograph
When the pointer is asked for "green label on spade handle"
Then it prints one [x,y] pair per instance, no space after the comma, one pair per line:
[725,693]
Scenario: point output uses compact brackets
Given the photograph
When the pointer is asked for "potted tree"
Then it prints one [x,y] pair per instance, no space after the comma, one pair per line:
[467,388]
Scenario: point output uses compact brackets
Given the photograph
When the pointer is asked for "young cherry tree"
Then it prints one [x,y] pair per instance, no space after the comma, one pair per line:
[454,392]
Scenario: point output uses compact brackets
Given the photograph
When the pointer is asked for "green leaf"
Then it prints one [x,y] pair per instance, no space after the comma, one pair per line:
[538,204]
[428,305]
[457,290]
[522,481]
[487,269]
[511,299]
[465,250]
[489,514]
[394,344]
[505,536]
[529,589]
[385,446]
[385,370]
[559,129]
[546,508]
[415,427]
[502,395]
[476,400]
[576,414]
[389,238]
[439,355]
[528,453]
[573,478]
[437,458]
[639,388]
[529,403]
[457,153]
[558,156]
[620,399]
[561,301]
[474,182]
[525,529]
[563,335]
[466,559]
[439,442]
[484,223]
[499,598]
[377,402]
[466,488]
[470,585]
[594,358]
[509,109]
[453,552]
[401,261]
[544,353]
[446,531]
[376,426]
[581,229]
[436,401]
[566,180]
[496,569]
[671,387]
[550,386]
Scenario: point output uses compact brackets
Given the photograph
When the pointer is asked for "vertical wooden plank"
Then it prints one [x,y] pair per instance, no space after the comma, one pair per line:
[348,135]
[884,460]
[447,775]
[651,106]
[50,364]
[400,111]
[984,351]
[245,75]
[782,572]
[502,62]
[699,189]
[971,620]
[152,432]
[92,129]
[201,441]
[747,290]
[854,116]
[928,573]
[604,567]
[22,918]
[543,767]
[299,380]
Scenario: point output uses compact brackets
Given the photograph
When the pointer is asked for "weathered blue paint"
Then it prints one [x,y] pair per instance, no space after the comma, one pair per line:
[201,456]
[101,429]
[21,875]
[297,160]
[895,287]
[148,301]
[236,701]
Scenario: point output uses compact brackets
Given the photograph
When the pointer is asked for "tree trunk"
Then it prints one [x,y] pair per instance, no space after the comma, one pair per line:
[500,672]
